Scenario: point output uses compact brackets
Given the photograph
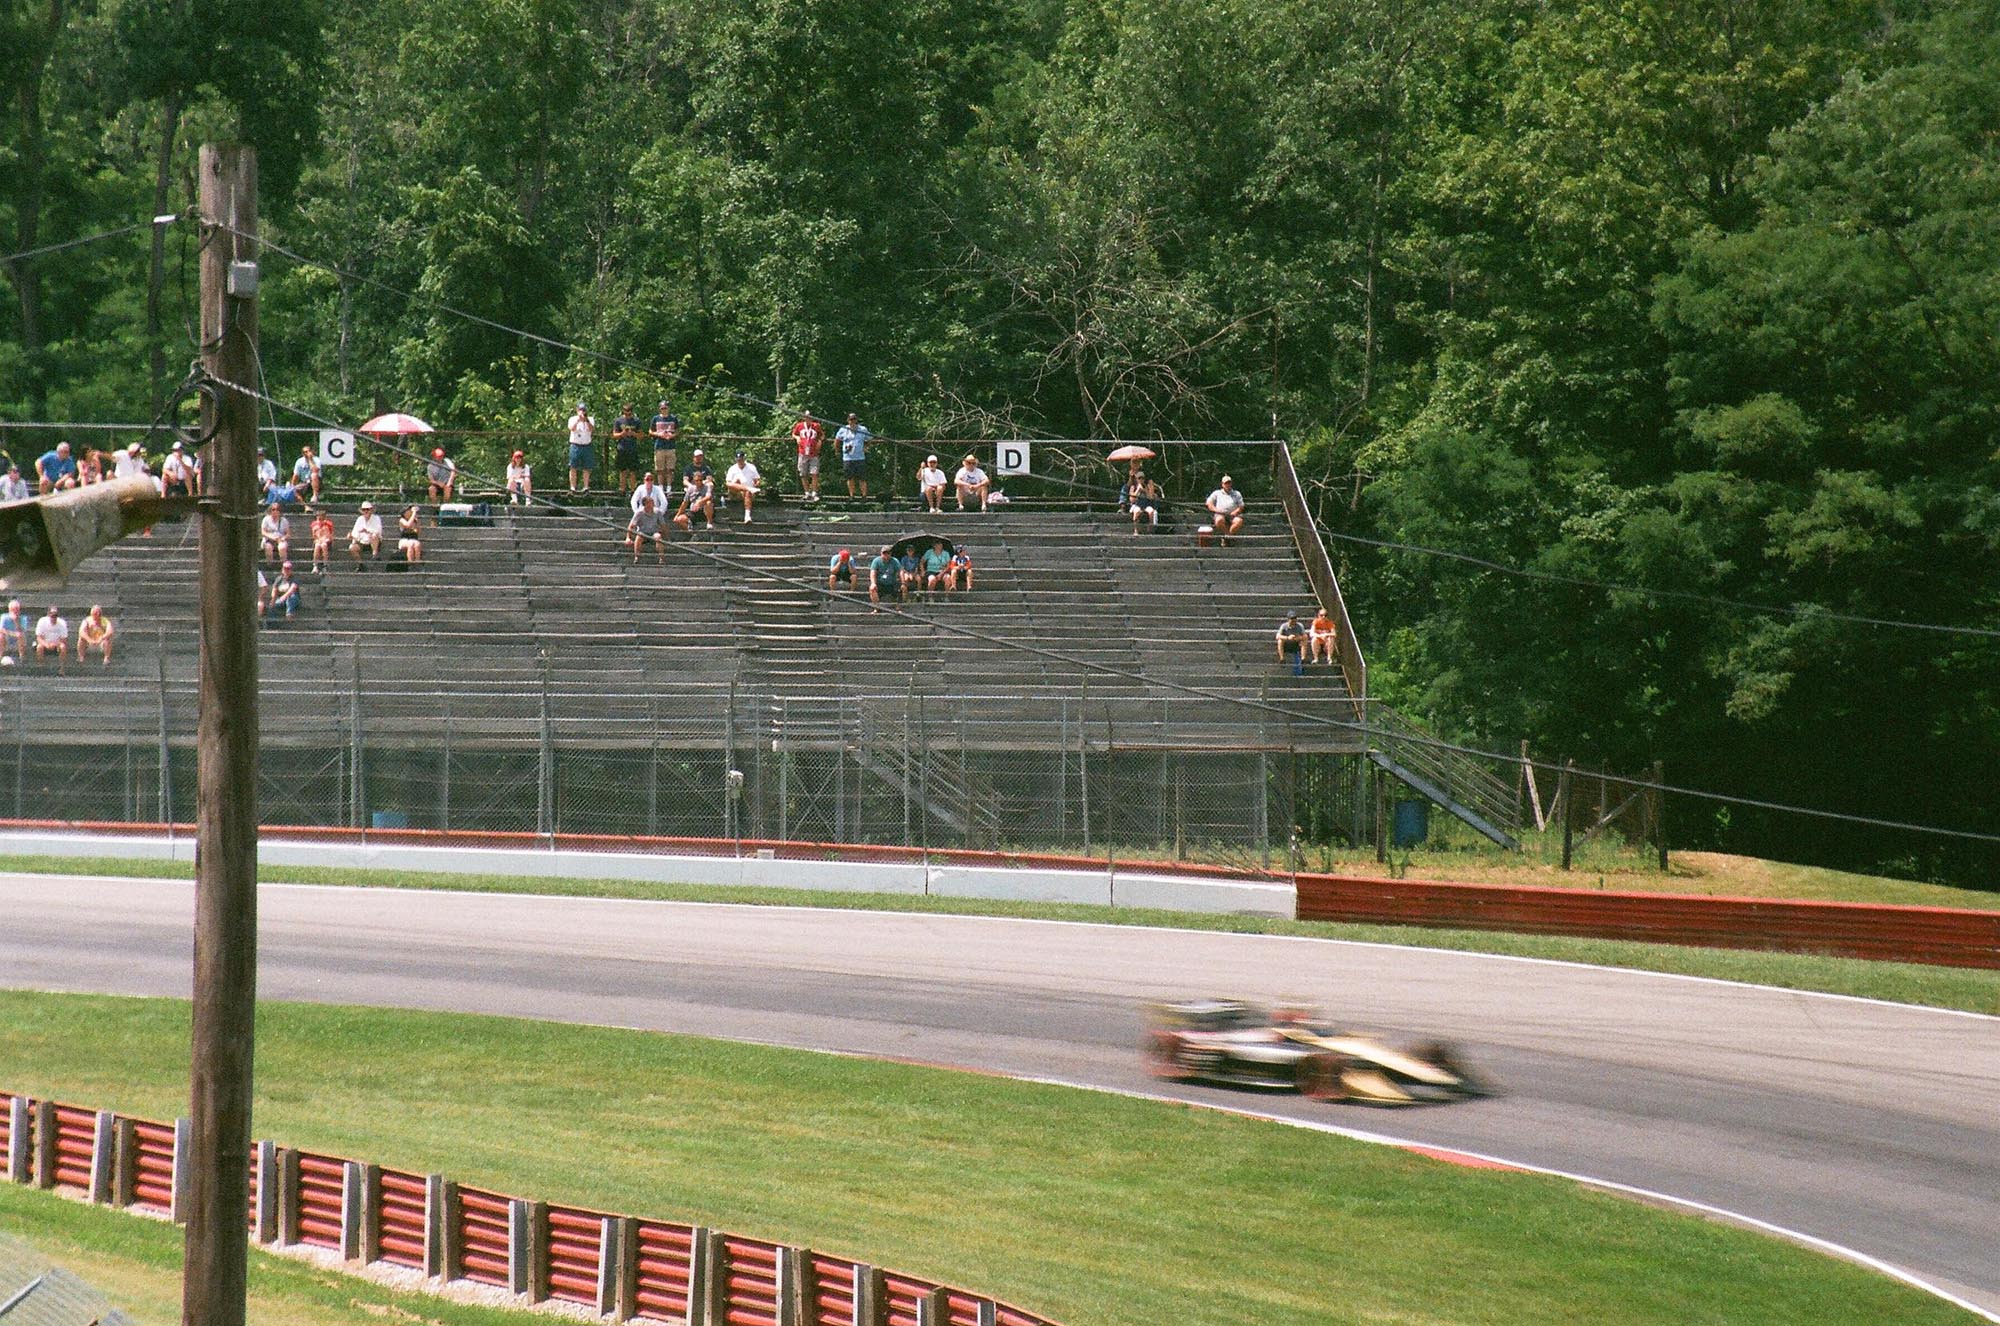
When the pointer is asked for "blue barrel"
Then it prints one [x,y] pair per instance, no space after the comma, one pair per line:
[1412,823]
[396,819]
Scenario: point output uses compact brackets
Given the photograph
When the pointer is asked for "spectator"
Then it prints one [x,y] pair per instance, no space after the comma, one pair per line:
[14,632]
[698,469]
[742,479]
[52,637]
[13,488]
[267,470]
[666,441]
[443,475]
[1321,637]
[807,435]
[907,572]
[56,470]
[367,533]
[284,594]
[936,566]
[91,468]
[1225,510]
[650,488]
[263,591]
[305,472]
[277,533]
[582,448]
[840,567]
[132,463]
[697,498]
[931,484]
[959,574]
[281,493]
[1142,499]
[647,523]
[322,536]
[179,476]
[410,535]
[520,481]
[972,482]
[853,438]
[625,440]
[94,632]
[1291,638]
[884,577]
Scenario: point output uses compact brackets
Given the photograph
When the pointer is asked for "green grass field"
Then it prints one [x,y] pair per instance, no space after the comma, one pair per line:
[1937,987]
[1098,1210]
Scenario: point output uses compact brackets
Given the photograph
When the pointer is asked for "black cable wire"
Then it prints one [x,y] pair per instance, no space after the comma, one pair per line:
[812,585]
[25,254]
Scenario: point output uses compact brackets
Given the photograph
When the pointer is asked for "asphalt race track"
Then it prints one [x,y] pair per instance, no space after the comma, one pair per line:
[1873,1126]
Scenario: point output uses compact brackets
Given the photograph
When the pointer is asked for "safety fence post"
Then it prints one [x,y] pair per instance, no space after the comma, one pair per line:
[125,1163]
[731,790]
[1563,795]
[444,768]
[353,1208]
[871,1297]
[932,1310]
[265,1228]
[443,1240]
[287,1184]
[20,744]
[618,1268]
[793,1292]
[20,1138]
[1660,810]
[1082,767]
[183,1140]
[652,765]
[371,1214]
[103,1157]
[166,788]
[705,1279]
[1110,807]
[545,766]
[781,743]
[357,773]
[45,1144]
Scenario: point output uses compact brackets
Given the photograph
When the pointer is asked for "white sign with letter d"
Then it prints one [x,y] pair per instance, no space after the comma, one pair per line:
[1010,458]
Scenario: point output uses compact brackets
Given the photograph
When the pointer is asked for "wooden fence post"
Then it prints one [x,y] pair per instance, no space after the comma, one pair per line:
[1660,810]
[20,1138]
[287,1176]
[177,1205]
[440,1212]
[266,1228]
[353,1205]
[1569,815]
[45,1144]
[370,1251]
[871,1297]
[103,1157]
[125,1163]
[704,1278]
[618,1268]
[931,1309]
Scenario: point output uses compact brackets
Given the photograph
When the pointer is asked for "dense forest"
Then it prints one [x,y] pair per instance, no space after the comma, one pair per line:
[1689,307]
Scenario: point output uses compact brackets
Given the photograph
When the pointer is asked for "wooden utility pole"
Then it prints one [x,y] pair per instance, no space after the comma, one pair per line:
[225,919]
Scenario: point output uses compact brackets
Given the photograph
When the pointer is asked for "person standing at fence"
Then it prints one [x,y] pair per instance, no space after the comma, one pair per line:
[666,443]
[1291,639]
[625,443]
[582,448]
[853,438]
[807,435]
[94,632]
[1321,637]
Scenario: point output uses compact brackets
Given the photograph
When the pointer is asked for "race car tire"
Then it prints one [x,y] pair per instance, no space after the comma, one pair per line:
[1163,1056]
[1447,1056]
[1323,1077]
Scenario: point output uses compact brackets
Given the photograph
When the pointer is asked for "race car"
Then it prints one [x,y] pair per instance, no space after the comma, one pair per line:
[1226,1040]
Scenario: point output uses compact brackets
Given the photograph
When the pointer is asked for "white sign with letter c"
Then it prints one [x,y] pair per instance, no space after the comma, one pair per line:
[335,447]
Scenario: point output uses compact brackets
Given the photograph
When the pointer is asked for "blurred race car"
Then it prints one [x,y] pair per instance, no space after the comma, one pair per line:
[1225,1040]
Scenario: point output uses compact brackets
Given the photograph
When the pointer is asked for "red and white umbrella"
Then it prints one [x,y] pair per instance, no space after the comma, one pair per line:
[1131,451]
[395,424]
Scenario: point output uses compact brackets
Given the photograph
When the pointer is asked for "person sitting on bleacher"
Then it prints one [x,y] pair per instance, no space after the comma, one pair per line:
[443,475]
[959,574]
[1320,638]
[267,469]
[743,480]
[520,480]
[908,573]
[367,533]
[650,489]
[884,577]
[179,475]
[1225,511]
[697,499]
[131,463]
[305,472]
[647,523]
[840,567]
[14,633]
[973,483]
[94,632]
[410,535]
[52,636]
[931,482]
[1142,499]
[322,536]
[56,470]
[277,534]
[936,565]
[284,594]
[13,488]
[1291,638]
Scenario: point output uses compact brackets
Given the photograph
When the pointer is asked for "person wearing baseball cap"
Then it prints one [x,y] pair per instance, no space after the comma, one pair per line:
[742,480]
[666,443]
[366,534]
[443,475]
[840,567]
[520,480]
[931,483]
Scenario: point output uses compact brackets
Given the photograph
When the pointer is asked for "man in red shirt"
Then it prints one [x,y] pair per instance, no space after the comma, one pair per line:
[806,432]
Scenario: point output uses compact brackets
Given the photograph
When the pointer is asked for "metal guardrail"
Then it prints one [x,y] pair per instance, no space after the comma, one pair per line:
[1319,567]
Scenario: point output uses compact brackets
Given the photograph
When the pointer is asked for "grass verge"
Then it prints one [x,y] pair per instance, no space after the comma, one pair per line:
[1093,1209]
[1963,989]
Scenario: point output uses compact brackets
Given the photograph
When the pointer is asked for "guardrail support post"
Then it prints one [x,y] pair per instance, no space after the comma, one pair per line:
[352,1188]
[535,1255]
[704,1278]
[519,1249]
[371,1215]
[986,1313]
[618,1268]
[794,1294]
[931,1310]
[287,1175]
[266,1228]
[20,1137]
[1660,810]
[871,1297]
[45,1144]
[443,1239]
[103,1157]
[177,1205]
[125,1163]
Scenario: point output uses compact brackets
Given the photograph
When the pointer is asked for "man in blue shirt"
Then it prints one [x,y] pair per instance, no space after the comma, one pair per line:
[56,469]
[853,438]
[14,632]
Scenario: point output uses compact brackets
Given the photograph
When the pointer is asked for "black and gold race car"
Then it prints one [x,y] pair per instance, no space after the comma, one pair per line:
[1225,1040]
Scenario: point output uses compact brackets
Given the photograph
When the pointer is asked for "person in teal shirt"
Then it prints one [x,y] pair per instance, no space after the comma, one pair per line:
[936,561]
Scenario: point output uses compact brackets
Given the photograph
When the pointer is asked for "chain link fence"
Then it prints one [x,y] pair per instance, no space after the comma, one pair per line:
[1123,778]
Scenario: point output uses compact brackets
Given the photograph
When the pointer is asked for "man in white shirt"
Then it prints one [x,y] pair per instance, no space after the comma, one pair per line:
[13,488]
[742,480]
[367,533]
[1225,511]
[277,532]
[52,636]
[131,463]
[267,470]
[649,488]
[582,448]
[972,483]
[178,474]
[931,484]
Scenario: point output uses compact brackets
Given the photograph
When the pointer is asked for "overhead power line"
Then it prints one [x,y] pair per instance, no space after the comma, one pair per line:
[812,586]
[79,242]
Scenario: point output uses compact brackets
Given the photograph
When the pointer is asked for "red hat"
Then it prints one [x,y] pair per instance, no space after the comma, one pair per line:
[517,455]
[437,453]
